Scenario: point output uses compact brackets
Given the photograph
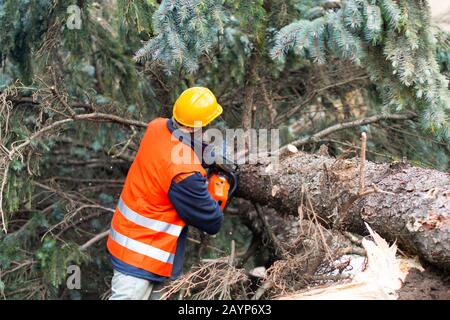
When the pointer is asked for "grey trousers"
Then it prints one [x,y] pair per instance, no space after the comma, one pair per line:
[125,287]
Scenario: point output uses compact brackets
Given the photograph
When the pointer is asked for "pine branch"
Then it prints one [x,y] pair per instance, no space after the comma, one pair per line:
[345,125]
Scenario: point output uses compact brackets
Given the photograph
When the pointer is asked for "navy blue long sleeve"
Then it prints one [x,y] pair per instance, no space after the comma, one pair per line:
[194,204]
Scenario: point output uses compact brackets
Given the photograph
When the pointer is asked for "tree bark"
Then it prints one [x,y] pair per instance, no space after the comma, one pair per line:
[407,204]
[249,92]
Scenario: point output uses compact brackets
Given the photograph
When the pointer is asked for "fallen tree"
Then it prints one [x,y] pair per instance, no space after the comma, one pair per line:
[407,204]
[328,195]
[381,279]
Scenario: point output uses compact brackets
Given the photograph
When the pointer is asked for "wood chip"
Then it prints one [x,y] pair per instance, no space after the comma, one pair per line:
[275,190]
[291,148]
[258,272]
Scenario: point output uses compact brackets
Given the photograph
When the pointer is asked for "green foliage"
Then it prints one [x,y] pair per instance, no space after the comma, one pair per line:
[48,266]
[12,245]
[54,259]
[22,23]
[185,30]
[18,192]
[252,18]
[443,52]
[392,40]
[135,15]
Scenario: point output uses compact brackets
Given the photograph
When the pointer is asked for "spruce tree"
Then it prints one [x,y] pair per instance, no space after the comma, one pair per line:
[393,40]
[185,30]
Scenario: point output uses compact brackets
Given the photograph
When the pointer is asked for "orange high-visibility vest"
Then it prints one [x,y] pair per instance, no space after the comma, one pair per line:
[145,226]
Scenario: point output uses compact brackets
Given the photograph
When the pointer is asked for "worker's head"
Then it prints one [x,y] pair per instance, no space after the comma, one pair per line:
[195,108]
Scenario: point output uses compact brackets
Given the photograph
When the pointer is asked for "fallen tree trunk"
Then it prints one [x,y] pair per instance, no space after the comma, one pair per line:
[406,204]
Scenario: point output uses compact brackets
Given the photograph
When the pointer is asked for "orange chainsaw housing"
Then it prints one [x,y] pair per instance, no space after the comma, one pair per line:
[218,187]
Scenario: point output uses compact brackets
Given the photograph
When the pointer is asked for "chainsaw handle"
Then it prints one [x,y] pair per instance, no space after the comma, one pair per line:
[221,185]
[230,175]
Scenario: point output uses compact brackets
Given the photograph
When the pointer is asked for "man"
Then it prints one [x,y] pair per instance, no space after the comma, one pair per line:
[162,195]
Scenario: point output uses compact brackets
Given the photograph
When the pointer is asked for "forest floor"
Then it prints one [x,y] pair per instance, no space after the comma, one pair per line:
[426,285]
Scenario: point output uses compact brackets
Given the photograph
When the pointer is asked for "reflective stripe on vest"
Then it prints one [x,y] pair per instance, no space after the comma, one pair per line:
[153,224]
[142,248]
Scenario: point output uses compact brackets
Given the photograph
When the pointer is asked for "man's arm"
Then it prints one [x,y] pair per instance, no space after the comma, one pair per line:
[193,203]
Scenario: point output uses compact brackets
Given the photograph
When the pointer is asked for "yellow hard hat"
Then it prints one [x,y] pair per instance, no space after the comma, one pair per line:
[196,107]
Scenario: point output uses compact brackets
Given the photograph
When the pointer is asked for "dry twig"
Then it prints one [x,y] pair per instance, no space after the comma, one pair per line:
[345,125]
[209,281]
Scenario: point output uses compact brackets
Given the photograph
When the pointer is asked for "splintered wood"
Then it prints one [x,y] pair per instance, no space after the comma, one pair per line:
[381,280]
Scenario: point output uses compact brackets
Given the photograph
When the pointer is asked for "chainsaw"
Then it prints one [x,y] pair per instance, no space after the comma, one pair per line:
[222,183]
